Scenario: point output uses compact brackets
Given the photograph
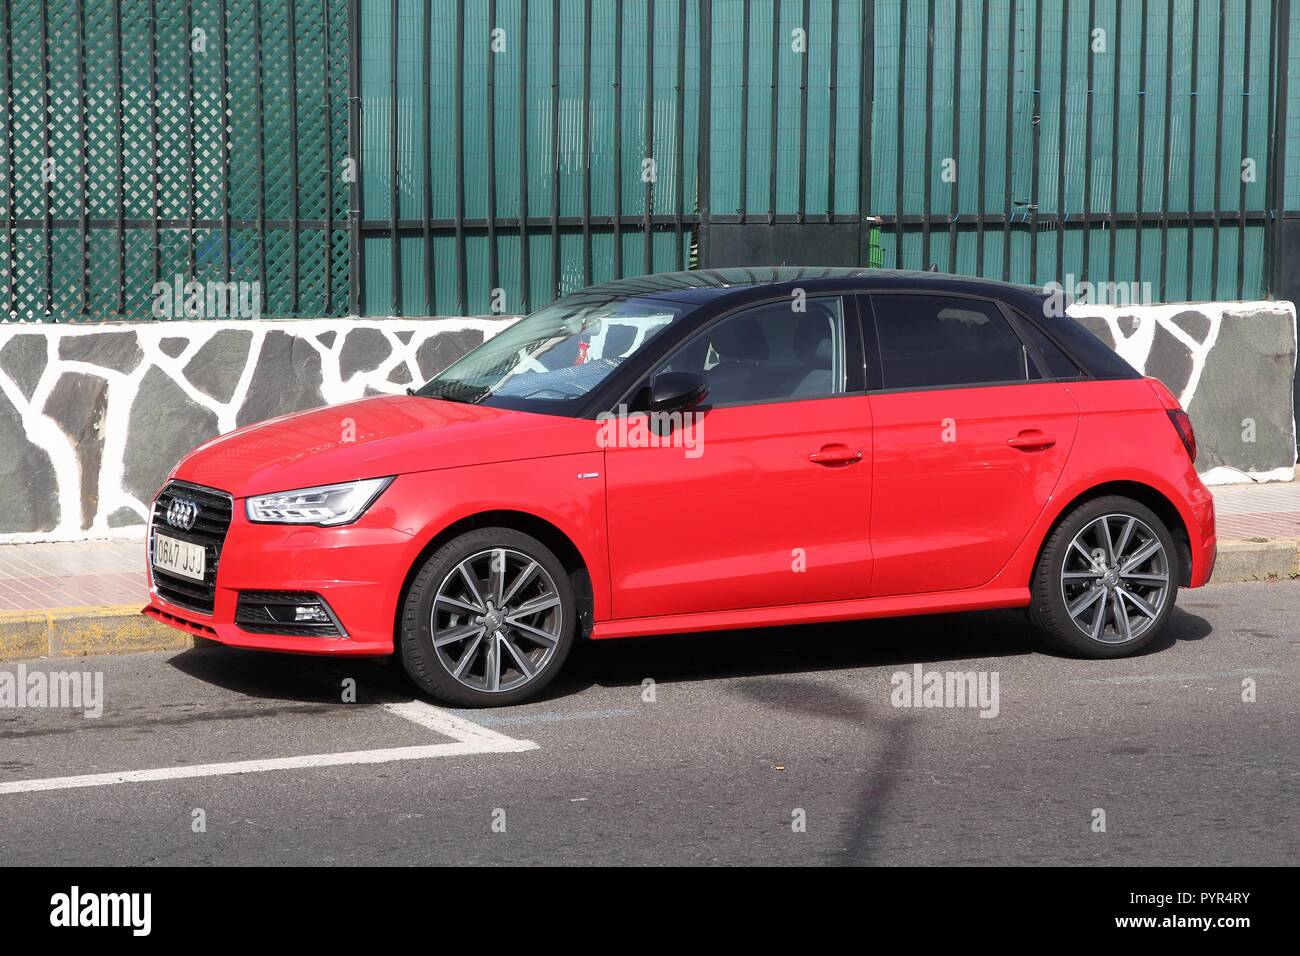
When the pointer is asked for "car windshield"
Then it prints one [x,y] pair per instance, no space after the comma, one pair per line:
[553,358]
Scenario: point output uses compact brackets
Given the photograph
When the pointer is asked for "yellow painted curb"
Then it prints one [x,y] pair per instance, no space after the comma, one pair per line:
[85,631]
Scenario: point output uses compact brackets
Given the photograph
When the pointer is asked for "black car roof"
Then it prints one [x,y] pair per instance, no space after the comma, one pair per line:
[706,285]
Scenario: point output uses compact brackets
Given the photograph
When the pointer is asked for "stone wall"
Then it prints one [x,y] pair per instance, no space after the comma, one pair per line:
[92,417]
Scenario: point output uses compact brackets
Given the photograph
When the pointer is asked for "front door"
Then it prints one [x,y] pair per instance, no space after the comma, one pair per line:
[770,507]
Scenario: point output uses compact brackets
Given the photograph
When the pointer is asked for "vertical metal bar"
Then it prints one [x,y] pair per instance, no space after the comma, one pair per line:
[1192,145]
[426,151]
[326,126]
[291,13]
[775,111]
[1218,158]
[394,193]
[525,268]
[224,119]
[1037,144]
[1118,36]
[832,108]
[1006,168]
[704,145]
[1087,145]
[555,149]
[1245,133]
[803,115]
[1060,141]
[983,136]
[189,152]
[586,143]
[462,267]
[898,145]
[954,198]
[84,249]
[1270,147]
[493,274]
[649,133]
[927,155]
[356,291]
[1277,162]
[1168,155]
[743,206]
[1141,146]
[679,135]
[47,180]
[261,148]
[618,141]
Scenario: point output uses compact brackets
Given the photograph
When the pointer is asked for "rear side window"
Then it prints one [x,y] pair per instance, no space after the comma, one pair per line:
[1059,365]
[932,341]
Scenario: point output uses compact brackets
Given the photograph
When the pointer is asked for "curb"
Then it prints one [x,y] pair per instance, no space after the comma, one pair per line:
[122,629]
[83,631]
[1265,559]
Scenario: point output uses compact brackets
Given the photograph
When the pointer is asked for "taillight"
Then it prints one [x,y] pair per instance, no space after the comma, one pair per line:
[1183,424]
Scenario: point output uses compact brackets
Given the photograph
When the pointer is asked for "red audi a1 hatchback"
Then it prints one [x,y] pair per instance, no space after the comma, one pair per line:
[699,451]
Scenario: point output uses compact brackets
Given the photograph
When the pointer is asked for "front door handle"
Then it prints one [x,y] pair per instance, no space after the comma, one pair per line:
[835,455]
[1031,439]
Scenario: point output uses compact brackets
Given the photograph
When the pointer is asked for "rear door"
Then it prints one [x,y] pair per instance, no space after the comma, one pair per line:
[970,435]
[769,506]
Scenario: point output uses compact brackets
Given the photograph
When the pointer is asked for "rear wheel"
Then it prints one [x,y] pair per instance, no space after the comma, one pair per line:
[1106,581]
[488,620]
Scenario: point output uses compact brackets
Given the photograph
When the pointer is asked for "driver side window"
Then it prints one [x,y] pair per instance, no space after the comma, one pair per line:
[769,353]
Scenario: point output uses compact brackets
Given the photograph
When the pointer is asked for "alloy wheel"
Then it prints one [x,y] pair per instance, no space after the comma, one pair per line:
[1115,578]
[496,620]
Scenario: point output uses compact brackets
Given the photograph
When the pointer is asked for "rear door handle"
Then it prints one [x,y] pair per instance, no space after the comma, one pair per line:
[835,455]
[1030,440]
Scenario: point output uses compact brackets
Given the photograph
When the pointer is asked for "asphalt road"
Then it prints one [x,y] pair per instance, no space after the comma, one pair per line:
[745,731]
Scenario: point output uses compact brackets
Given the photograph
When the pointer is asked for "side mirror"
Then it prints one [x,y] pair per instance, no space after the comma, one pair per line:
[676,391]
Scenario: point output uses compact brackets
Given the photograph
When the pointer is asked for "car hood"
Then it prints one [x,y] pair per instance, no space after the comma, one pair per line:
[373,438]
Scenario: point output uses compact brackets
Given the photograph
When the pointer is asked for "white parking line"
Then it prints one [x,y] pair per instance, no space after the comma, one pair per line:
[467,738]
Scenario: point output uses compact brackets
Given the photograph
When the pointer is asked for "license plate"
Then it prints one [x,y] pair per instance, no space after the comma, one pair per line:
[179,557]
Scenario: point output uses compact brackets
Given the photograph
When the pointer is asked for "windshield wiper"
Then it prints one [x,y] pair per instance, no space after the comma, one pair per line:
[471,399]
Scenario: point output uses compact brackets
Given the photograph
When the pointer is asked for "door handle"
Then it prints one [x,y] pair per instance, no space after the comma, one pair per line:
[835,455]
[1031,439]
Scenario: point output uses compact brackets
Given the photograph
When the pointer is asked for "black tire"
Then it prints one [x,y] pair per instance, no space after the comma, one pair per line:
[1048,610]
[430,669]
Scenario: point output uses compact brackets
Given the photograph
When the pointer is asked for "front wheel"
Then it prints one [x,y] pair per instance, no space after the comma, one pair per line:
[1106,581]
[488,619]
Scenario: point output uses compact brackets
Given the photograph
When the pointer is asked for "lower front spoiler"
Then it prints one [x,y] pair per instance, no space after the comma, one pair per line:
[232,636]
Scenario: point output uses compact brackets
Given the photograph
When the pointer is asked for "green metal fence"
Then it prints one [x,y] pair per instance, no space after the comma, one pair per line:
[463,156]
[1101,141]
[144,140]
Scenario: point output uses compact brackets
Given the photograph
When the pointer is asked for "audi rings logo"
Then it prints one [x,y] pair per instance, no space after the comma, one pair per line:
[182,513]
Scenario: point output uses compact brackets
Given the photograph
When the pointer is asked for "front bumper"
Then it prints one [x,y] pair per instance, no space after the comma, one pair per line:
[359,570]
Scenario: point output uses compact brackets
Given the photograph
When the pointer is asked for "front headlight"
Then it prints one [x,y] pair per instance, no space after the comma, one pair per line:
[322,505]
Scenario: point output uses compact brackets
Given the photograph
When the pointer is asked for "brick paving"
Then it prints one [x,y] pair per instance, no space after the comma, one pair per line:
[88,573]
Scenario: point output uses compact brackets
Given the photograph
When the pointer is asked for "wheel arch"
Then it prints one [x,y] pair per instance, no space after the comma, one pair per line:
[530,524]
[1144,494]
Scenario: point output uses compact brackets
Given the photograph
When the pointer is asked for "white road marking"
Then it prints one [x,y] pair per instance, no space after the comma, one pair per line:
[467,738]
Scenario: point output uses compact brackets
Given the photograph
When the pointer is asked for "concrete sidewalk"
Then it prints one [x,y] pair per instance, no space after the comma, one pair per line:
[68,599]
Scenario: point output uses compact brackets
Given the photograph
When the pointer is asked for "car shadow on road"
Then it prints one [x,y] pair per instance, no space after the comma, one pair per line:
[881,642]
[761,652]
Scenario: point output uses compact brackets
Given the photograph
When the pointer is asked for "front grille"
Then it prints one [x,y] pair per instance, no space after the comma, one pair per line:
[273,612]
[209,530]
